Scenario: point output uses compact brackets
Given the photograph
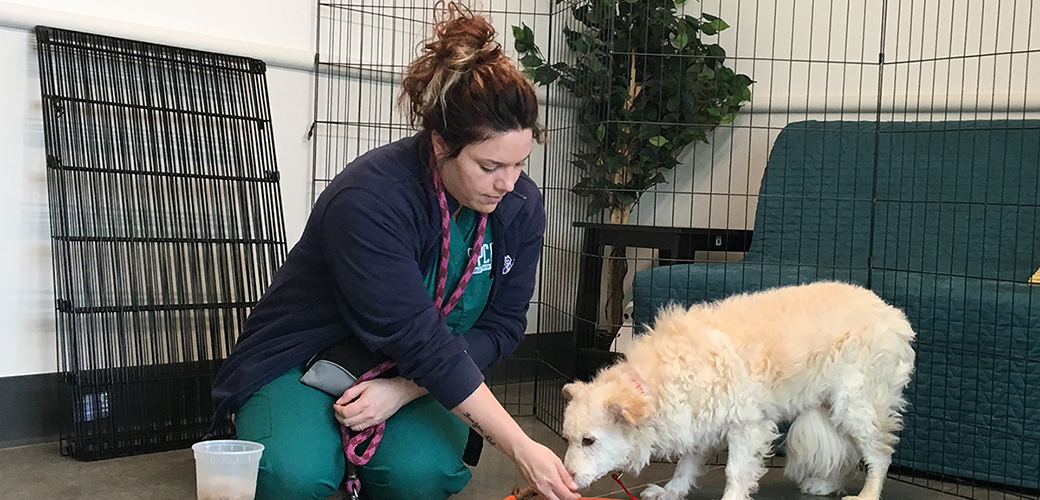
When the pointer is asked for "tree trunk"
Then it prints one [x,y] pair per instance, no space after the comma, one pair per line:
[617,265]
[617,270]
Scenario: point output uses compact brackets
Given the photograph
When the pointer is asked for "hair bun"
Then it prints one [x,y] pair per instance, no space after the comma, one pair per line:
[461,40]
[463,86]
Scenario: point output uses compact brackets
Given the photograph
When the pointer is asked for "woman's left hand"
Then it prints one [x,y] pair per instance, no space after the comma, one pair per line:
[371,402]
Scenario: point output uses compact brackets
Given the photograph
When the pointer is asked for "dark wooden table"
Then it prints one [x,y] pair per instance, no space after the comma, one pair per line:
[674,245]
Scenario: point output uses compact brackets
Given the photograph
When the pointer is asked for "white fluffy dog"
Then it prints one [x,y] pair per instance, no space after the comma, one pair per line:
[831,356]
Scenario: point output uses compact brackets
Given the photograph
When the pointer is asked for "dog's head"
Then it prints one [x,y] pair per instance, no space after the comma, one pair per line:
[601,425]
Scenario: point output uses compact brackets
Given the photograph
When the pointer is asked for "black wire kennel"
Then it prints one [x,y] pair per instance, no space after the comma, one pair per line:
[891,143]
[363,49]
[166,225]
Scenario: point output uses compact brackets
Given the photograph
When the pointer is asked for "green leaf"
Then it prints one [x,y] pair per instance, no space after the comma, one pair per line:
[544,75]
[531,61]
[596,206]
[601,131]
[658,140]
[718,25]
[581,14]
[716,53]
[681,39]
[521,43]
[625,198]
[709,17]
[680,2]
[578,45]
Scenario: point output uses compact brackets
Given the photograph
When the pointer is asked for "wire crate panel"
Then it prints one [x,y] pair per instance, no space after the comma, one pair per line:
[166,226]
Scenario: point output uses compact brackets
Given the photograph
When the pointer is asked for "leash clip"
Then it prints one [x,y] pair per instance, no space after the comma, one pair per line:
[617,478]
[353,485]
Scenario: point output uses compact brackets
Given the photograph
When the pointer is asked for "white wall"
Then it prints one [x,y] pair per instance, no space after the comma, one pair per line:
[279,31]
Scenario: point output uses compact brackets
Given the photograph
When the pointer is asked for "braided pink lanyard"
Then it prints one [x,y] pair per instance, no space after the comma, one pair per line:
[351,442]
[474,253]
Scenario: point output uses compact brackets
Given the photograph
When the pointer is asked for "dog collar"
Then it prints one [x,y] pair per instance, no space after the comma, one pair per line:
[639,385]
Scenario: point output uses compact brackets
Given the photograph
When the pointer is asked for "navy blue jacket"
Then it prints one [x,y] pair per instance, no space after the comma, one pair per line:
[358,270]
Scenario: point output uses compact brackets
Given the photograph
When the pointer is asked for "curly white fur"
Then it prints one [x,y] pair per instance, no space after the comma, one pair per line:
[833,357]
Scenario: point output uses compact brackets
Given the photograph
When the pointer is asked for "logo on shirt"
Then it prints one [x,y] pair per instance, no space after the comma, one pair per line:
[507,265]
[484,261]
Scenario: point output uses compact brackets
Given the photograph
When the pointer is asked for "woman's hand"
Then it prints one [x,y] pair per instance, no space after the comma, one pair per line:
[371,402]
[544,471]
[541,468]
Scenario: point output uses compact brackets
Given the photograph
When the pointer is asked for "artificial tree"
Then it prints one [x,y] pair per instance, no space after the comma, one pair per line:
[646,85]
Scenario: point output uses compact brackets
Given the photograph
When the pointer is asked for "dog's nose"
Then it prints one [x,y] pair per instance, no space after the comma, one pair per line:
[569,471]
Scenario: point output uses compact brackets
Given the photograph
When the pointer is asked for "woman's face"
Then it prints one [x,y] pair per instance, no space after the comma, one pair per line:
[484,172]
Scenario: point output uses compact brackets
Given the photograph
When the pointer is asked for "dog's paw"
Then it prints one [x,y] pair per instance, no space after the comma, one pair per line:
[655,492]
[819,487]
[729,495]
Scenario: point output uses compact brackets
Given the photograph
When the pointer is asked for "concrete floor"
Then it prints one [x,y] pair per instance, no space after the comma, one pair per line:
[40,472]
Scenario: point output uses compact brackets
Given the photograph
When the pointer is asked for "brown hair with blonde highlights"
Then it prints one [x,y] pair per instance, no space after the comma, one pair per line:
[463,86]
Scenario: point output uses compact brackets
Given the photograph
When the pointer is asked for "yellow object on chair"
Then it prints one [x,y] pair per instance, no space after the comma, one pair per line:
[1035,278]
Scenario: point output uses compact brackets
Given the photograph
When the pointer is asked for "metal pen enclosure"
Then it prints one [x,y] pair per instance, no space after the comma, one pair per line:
[166,224]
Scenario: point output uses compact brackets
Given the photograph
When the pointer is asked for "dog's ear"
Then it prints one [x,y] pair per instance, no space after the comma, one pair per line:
[628,405]
[571,389]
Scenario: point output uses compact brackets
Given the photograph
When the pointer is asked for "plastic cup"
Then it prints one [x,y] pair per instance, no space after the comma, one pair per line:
[226,469]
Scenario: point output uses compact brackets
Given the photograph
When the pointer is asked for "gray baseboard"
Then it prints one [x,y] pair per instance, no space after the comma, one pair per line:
[30,409]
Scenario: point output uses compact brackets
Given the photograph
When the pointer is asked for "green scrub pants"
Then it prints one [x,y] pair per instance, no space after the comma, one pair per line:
[420,456]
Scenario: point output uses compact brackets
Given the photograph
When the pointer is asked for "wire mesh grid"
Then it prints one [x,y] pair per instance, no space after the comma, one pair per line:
[891,144]
[962,271]
[363,50]
[166,225]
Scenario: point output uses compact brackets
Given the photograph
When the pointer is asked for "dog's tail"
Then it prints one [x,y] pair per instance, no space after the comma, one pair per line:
[819,458]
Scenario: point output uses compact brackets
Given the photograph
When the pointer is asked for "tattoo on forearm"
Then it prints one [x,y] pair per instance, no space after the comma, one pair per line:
[480,430]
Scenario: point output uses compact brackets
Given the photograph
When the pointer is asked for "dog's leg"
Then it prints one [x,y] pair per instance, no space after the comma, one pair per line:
[687,471]
[749,443]
[874,435]
[877,460]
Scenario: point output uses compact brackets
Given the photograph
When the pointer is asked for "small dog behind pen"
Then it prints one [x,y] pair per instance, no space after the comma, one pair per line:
[832,357]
